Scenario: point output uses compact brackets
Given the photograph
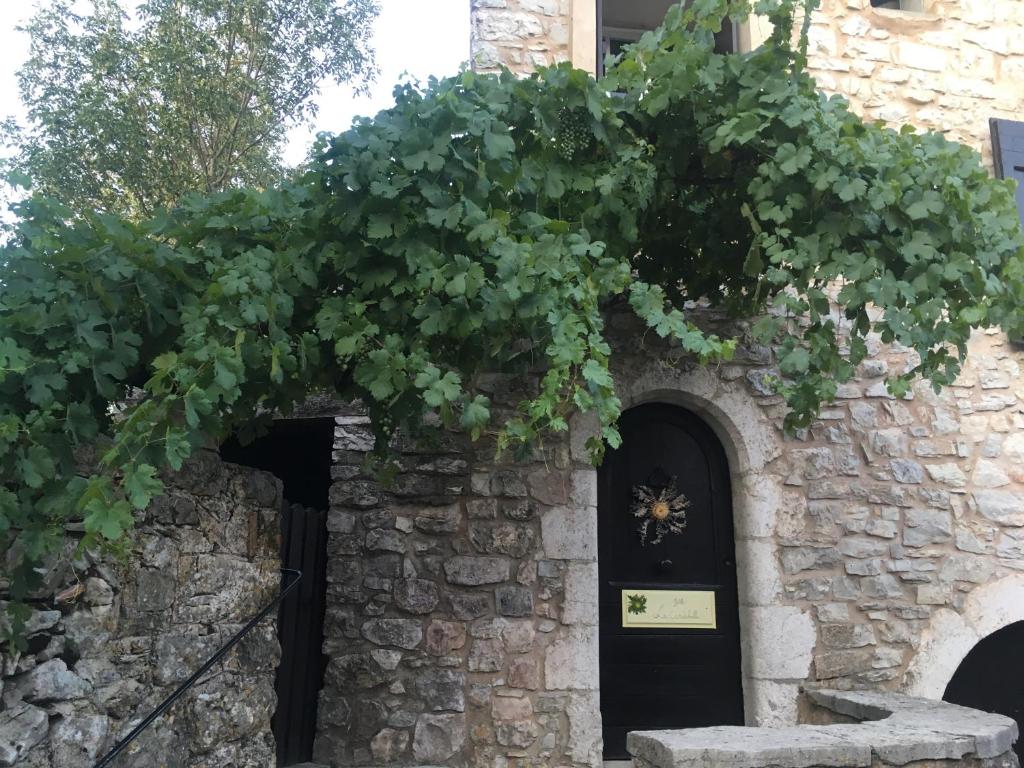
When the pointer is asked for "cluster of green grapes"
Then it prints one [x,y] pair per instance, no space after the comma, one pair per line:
[573,134]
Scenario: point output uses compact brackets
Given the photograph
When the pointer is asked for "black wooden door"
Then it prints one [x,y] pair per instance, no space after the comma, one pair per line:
[654,678]
[301,631]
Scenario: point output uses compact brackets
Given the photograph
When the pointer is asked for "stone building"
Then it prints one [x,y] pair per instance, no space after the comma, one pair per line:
[483,605]
[482,613]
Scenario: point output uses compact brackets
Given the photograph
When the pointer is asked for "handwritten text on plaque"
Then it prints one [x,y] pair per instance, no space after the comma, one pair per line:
[668,608]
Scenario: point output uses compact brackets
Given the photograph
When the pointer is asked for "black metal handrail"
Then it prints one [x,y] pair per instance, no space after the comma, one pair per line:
[166,703]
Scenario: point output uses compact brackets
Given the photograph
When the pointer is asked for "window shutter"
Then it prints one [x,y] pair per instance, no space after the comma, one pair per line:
[1008,154]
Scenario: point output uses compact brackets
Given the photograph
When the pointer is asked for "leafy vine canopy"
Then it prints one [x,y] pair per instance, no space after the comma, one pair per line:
[484,223]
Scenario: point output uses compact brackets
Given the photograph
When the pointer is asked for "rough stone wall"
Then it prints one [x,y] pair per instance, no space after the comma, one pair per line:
[893,508]
[457,625]
[519,34]
[947,69]
[126,633]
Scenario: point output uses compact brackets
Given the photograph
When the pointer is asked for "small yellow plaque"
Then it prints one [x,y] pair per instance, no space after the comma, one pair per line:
[668,609]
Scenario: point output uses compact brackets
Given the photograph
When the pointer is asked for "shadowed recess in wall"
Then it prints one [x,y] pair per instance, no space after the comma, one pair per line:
[298,451]
[991,678]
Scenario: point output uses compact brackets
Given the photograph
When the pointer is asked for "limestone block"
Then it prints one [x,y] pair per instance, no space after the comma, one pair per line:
[384,540]
[518,635]
[524,672]
[512,600]
[927,526]
[1003,507]
[931,594]
[443,637]
[833,613]
[442,689]
[771,704]
[917,56]
[758,572]
[548,487]
[885,529]
[947,474]
[569,533]
[416,595]
[907,471]
[486,655]
[467,606]
[580,601]
[511,708]
[438,737]
[403,633]
[571,661]
[884,587]
[22,727]
[832,664]
[973,568]
[757,504]
[474,571]
[796,559]
[855,546]
[737,747]
[584,741]
[583,488]
[843,636]
[989,474]
[389,745]
[51,681]
[888,442]
[512,539]
[780,643]
[519,733]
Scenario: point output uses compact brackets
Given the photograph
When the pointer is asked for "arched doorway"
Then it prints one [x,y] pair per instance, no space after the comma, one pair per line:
[991,677]
[669,624]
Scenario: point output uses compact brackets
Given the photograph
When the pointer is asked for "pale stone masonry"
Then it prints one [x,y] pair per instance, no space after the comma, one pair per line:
[462,621]
[949,68]
[520,34]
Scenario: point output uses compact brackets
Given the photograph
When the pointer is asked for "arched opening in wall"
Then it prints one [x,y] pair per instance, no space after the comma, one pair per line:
[298,452]
[669,616]
[991,677]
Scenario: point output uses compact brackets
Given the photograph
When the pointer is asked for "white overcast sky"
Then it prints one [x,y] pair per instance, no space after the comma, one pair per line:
[418,37]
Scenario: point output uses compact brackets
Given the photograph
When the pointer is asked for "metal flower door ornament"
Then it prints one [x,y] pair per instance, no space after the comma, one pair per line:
[661,510]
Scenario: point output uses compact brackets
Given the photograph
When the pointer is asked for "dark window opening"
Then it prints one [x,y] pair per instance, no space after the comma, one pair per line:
[916,6]
[991,677]
[298,452]
[623,22]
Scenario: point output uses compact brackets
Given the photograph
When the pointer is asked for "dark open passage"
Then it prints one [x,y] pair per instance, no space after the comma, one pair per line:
[298,451]
[666,676]
[991,678]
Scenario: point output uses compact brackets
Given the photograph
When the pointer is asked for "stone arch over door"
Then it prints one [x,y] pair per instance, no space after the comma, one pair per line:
[777,640]
[952,635]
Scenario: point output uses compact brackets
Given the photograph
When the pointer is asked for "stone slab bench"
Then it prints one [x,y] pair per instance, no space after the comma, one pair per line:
[861,729]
